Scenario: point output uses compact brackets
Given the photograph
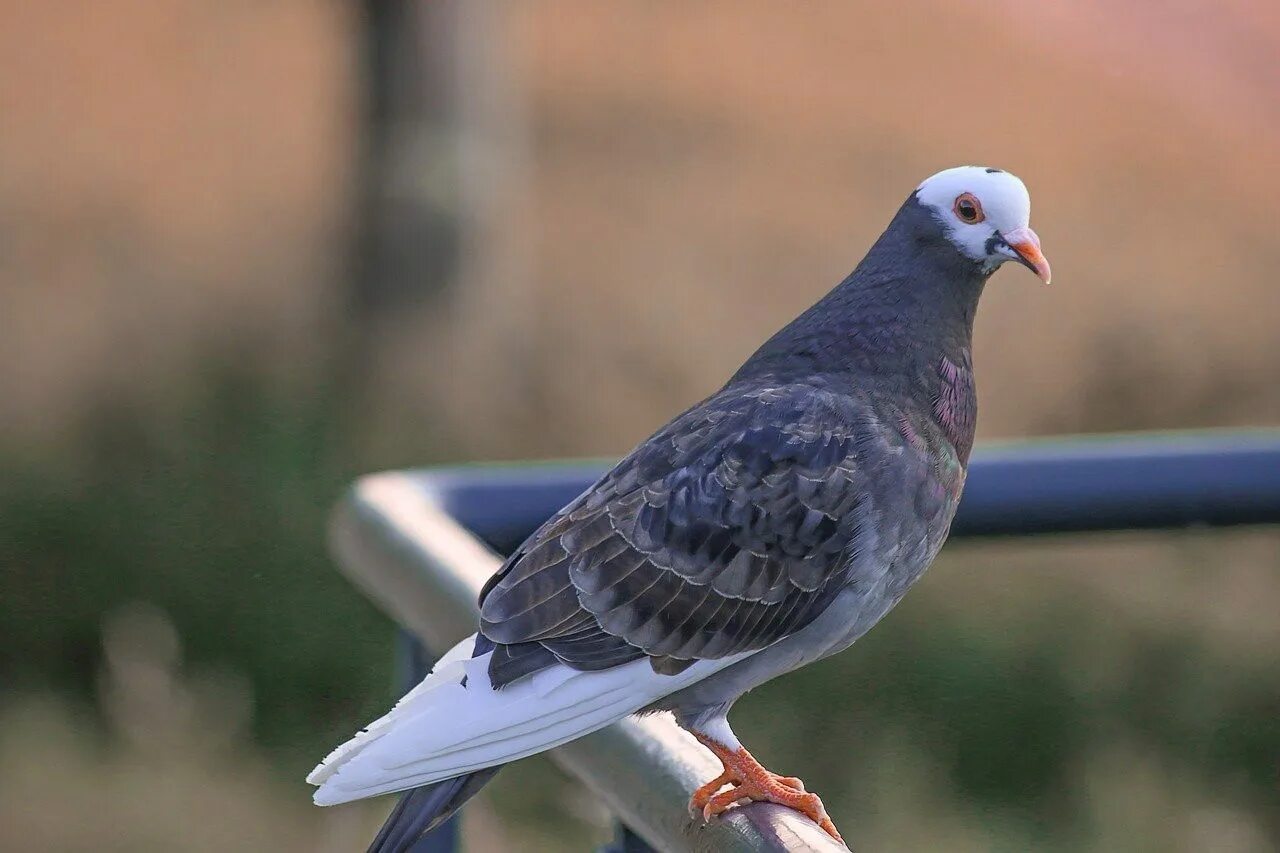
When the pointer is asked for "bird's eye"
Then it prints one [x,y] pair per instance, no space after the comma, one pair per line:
[968,208]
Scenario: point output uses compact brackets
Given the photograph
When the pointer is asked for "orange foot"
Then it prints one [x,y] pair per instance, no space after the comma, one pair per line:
[750,782]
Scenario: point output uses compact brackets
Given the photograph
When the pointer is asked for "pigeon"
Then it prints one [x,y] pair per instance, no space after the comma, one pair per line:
[767,527]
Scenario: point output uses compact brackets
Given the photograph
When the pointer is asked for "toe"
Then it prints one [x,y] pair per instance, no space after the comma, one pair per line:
[701,796]
[811,806]
[830,829]
[723,801]
[793,782]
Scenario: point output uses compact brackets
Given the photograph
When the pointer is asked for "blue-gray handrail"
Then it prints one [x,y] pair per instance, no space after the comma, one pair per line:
[410,540]
[1127,482]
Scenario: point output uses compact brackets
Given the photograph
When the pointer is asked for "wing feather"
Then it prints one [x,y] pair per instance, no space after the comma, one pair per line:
[730,529]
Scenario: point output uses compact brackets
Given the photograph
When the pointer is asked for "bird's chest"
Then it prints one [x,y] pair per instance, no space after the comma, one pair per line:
[916,496]
[955,402]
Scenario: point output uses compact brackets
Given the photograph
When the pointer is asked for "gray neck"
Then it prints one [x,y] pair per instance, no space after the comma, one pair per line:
[910,303]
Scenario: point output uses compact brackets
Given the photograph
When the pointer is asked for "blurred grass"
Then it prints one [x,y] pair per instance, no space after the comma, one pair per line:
[214,513]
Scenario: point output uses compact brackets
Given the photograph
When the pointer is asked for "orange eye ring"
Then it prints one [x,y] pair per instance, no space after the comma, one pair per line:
[968,209]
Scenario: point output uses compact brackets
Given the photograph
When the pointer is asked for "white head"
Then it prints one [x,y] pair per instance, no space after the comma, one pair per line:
[986,213]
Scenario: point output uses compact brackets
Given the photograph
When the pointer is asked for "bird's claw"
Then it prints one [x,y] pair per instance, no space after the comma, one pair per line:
[780,792]
[752,783]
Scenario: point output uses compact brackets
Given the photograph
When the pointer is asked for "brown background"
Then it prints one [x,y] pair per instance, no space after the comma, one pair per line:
[645,192]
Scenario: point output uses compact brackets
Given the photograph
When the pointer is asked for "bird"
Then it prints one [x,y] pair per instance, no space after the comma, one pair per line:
[768,526]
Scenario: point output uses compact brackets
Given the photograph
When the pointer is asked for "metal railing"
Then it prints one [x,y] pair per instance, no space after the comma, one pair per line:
[422,543]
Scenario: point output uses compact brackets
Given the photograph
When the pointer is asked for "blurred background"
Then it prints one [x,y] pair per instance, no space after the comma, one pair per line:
[249,251]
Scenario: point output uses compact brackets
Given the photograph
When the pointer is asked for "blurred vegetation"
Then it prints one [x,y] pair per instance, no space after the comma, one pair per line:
[213,511]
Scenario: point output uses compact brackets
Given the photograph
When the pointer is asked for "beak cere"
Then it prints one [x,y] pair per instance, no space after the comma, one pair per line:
[1024,247]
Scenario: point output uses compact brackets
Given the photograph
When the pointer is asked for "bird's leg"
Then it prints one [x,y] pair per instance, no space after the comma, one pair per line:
[750,782]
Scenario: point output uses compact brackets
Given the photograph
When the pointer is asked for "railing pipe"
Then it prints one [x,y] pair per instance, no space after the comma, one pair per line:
[412,541]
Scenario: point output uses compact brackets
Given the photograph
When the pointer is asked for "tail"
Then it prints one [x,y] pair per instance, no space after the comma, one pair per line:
[456,723]
[423,809]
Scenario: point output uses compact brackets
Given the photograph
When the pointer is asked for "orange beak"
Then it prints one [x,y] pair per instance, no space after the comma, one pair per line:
[1024,247]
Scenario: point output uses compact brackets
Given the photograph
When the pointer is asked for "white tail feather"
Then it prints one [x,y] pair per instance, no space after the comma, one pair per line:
[442,729]
[446,671]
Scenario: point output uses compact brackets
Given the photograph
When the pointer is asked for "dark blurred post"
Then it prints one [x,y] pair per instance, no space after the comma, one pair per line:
[440,158]
[406,225]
